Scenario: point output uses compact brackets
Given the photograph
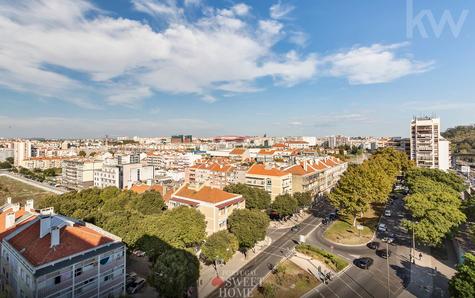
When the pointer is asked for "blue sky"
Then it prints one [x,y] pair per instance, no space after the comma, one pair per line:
[308,67]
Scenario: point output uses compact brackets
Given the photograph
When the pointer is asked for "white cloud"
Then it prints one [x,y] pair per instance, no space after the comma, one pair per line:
[375,64]
[48,45]
[280,10]
[295,123]
[299,38]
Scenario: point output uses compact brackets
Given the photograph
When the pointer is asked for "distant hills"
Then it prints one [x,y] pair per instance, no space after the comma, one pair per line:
[462,139]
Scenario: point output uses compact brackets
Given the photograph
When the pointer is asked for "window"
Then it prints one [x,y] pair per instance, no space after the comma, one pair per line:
[78,271]
[57,279]
[104,260]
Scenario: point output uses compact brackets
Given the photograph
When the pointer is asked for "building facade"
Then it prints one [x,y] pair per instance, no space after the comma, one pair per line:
[272,180]
[428,148]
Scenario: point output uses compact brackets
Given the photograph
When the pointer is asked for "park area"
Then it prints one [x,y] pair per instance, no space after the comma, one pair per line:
[342,230]
[19,191]
[287,280]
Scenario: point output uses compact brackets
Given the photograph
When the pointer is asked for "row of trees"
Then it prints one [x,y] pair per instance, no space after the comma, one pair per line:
[257,198]
[434,203]
[7,164]
[368,183]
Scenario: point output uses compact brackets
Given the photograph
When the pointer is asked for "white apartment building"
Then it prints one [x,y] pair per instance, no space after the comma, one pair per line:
[428,148]
[22,151]
[79,172]
[42,163]
[114,173]
[44,254]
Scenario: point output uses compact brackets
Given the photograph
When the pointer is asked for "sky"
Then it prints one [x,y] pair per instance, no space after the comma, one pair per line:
[208,67]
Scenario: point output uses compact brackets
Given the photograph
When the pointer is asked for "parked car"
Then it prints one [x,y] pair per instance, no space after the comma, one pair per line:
[382,227]
[383,253]
[325,221]
[387,213]
[363,263]
[332,216]
[135,286]
[130,278]
[373,245]
[296,228]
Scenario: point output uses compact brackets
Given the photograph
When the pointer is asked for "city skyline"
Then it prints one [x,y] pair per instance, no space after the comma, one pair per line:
[152,68]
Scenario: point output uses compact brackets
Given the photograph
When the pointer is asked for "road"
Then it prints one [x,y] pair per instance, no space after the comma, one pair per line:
[44,186]
[356,282]
[248,277]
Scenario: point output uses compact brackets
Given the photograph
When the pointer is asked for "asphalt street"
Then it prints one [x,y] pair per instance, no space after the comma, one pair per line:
[356,282]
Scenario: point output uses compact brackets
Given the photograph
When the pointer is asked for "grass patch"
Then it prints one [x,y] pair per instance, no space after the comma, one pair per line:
[335,262]
[344,233]
[19,191]
[288,280]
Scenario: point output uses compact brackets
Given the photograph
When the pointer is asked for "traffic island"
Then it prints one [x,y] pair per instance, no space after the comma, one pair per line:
[344,233]
[286,280]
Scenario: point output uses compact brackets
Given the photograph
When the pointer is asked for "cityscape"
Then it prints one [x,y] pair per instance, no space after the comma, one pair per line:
[255,149]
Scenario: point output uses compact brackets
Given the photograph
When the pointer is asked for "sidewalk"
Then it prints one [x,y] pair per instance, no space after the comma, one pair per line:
[294,220]
[208,273]
[428,277]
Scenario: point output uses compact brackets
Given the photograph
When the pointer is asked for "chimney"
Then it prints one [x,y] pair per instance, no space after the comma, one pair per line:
[29,206]
[10,220]
[305,166]
[55,236]
[16,207]
[9,200]
[45,226]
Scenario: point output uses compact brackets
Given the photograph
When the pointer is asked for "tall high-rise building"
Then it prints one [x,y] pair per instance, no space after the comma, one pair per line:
[428,148]
[22,151]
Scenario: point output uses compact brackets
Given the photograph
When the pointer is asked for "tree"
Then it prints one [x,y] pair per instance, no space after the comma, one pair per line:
[249,226]
[5,165]
[10,160]
[220,246]
[256,198]
[304,199]
[285,205]
[174,272]
[462,283]
[435,214]
[368,183]
[82,153]
[149,202]
[181,227]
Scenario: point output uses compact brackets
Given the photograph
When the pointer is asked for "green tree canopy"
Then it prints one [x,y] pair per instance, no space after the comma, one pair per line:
[256,198]
[249,226]
[174,272]
[82,153]
[369,182]
[462,283]
[304,199]
[220,246]
[285,205]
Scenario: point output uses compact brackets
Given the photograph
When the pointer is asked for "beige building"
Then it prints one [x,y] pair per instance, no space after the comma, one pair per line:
[216,204]
[42,163]
[273,180]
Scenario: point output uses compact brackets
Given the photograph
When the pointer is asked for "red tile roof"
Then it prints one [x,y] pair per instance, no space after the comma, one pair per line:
[260,169]
[73,240]
[266,152]
[238,151]
[204,194]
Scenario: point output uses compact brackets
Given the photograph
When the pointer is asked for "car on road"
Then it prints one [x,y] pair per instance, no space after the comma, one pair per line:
[387,213]
[388,239]
[383,253]
[373,245]
[296,228]
[382,227]
[325,221]
[363,263]
[332,216]
[135,286]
